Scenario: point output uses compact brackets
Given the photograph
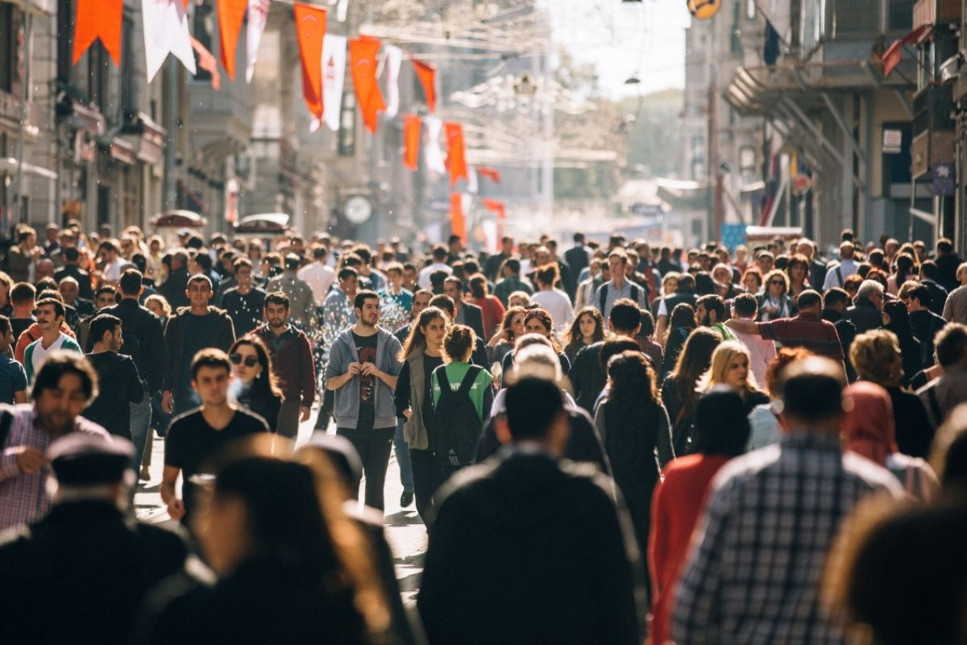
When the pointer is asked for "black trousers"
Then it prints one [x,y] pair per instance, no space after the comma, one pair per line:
[427,477]
[374,446]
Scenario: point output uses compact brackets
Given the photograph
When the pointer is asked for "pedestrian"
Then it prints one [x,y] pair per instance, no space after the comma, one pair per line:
[869,431]
[421,354]
[511,281]
[555,301]
[942,394]
[111,409]
[13,378]
[679,390]
[195,437]
[290,566]
[143,336]
[634,428]
[192,329]
[301,299]
[680,327]
[867,305]
[491,307]
[588,374]
[511,327]
[761,351]
[775,302]
[50,316]
[318,274]
[539,321]
[255,385]
[897,320]
[730,366]
[586,329]
[462,397]
[925,323]
[362,371]
[464,312]
[292,364]
[752,543]
[618,286]
[244,301]
[551,557]
[80,573]
[721,432]
[65,385]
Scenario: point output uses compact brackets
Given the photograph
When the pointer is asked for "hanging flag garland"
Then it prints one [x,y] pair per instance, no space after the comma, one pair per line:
[412,128]
[362,61]
[258,16]
[458,216]
[333,77]
[490,173]
[231,15]
[98,19]
[426,73]
[456,155]
[433,155]
[168,35]
[393,58]
[310,23]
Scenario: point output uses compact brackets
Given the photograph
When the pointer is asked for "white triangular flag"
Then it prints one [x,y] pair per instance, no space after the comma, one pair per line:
[393,58]
[166,32]
[258,15]
[333,76]
[433,154]
[472,186]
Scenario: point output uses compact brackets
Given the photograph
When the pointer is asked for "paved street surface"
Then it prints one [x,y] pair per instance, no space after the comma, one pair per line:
[404,530]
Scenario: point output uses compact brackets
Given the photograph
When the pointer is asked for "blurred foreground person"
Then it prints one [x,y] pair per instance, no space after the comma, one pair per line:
[339,471]
[721,432]
[526,548]
[80,573]
[291,567]
[65,385]
[757,557]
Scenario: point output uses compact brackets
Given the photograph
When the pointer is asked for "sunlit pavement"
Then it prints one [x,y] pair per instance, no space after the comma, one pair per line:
[404,530]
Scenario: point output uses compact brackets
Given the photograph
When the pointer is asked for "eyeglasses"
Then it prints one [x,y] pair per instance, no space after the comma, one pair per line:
[778,283]
[250,361]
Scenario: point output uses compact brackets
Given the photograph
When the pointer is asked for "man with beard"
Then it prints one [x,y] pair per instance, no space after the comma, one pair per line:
[291,362]
[64,386]
[710,312]
[362,370]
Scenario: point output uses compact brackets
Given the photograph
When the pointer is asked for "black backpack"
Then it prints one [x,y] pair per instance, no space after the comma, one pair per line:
[456,423]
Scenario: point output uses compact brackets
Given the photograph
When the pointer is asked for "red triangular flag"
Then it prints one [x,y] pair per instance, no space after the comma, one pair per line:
[98,19]
[456,155]
[412,128]
[184,3]
[491,173]
[310,24]
[458,219]
[362,61]
[426,72]
[231,15]
[496,206]
[207,62]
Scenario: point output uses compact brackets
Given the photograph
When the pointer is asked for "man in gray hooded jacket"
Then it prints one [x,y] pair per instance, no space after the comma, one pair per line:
[362,370]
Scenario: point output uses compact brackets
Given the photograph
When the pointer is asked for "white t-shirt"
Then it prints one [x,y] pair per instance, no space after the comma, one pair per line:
[558,304]
[320,277]
[424,279]
[40,353]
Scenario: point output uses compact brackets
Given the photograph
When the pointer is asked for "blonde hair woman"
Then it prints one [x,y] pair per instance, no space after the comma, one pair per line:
[730,367]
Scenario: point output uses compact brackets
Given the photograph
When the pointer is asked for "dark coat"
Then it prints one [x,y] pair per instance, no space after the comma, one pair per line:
[149,355]
[938,296]
[473,318]
[83,279]
[80,574]
[222,338]
[525,549]
[865,316]
[577,259]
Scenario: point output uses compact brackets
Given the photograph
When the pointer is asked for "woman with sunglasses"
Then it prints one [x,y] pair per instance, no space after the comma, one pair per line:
[255,388]
[774,302]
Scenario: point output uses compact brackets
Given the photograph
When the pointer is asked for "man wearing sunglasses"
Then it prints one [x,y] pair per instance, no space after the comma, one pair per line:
[291,361]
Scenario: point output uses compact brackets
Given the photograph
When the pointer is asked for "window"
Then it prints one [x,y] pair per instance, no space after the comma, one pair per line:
[900,16]
[750,9]
[856,17]
[130,82]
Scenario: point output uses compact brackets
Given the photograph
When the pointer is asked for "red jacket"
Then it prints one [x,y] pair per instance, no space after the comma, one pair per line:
[292,363]
[675,510]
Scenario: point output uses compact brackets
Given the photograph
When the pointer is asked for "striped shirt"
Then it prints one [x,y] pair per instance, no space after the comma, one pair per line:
[23,498]
[757,557]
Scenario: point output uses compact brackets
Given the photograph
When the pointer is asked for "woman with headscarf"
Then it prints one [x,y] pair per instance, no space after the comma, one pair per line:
[721,432]
[868,431]
[897,320]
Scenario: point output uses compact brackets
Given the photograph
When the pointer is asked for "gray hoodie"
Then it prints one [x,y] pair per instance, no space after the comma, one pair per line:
[342,353]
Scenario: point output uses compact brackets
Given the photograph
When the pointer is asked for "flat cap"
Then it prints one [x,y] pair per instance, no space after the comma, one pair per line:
[83,459]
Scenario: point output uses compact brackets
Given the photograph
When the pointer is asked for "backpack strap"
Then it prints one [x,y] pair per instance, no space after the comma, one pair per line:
[604,296]
[468,379]
[839,274]
[442,380]
[635,292]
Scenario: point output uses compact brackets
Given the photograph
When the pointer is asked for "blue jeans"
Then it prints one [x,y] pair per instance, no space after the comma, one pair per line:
[403,457]
[140,427]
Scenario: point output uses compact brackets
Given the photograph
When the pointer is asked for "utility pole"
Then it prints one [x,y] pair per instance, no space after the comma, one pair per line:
[714,174]
[13,197]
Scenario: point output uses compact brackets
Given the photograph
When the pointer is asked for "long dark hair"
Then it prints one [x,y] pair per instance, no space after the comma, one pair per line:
[695,359]
[417,340]
[574,332]
[545,319]
[899,319]
[267,379]
[633,382]
[683,315]
[508,320]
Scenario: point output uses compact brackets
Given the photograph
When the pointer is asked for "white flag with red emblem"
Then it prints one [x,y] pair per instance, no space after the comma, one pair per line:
[333,77]
[166,32]
[258,15]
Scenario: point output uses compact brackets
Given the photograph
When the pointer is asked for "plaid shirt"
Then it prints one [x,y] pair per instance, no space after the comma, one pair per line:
[756,561]
[23,498]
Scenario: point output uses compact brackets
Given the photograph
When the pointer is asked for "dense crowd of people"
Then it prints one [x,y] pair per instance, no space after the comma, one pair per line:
[616,443]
